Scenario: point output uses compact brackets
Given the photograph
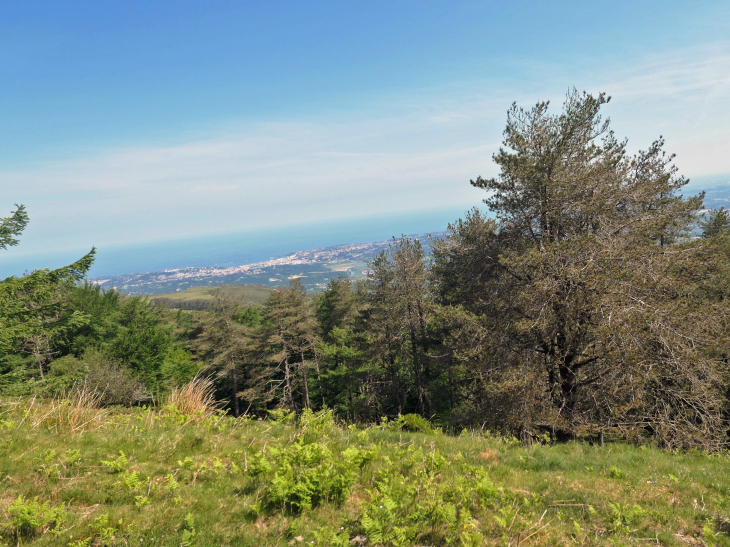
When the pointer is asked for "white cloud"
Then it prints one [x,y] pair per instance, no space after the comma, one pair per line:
[408,153]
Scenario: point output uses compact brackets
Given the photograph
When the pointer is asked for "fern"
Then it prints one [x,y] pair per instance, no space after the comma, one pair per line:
[117,465]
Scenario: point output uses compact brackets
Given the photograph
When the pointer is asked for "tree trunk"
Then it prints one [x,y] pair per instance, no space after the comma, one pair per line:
[38,354]
[394,383]
[234,386]
[287,374]
[319,378]
[451,385]
[287,385]
[306,382]
[417,373]
[422,325]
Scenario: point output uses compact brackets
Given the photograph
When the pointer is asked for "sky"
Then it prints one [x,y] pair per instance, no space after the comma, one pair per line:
[130,122]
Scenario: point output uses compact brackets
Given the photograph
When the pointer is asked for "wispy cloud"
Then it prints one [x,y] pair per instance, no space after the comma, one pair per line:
[405,153]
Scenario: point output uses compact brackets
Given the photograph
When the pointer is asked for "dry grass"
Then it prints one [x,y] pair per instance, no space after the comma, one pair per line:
[490,455]
[195,399]
[79,411]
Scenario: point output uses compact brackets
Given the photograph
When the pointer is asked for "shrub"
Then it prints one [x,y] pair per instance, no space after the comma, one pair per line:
[113,382]
[179,368]
[411,422]
[64,373]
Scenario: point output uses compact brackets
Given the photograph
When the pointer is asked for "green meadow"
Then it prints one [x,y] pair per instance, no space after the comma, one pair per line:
[73,473]
[250,294]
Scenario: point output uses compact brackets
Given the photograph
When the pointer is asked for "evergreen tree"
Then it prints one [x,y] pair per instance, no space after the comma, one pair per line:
[716,223]
[345,376]
[399,307]
[585,291]
[291,329]
[32,306]
[142,341]
[227,340]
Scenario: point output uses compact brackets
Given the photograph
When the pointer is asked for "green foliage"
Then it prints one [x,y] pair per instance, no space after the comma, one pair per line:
[581,310]
[624,516]
[179,368]
[715,223]
[117,465]
[101,307]
[306,473]
[103,528]
[12,226]
[410,422]
[31,517]
[142,341]
[313,426]
[32,306]
[140,478]
[616,473]
[113,381]
[530,299]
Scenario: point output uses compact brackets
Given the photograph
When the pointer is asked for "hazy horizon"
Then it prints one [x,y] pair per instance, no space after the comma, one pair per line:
[140,122]
[236,247]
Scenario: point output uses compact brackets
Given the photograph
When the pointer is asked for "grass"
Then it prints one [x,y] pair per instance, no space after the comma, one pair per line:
[187,475]
[194,401]
[254,294]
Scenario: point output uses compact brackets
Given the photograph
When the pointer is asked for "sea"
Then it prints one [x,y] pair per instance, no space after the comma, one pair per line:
[238,248]
[258,245]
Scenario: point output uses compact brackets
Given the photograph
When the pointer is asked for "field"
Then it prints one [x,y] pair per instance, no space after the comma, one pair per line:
[251,294]
[74,474]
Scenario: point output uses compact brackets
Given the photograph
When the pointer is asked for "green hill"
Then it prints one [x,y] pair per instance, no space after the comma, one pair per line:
[201,297]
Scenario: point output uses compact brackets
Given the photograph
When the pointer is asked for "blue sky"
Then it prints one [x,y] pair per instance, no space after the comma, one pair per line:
[124,122]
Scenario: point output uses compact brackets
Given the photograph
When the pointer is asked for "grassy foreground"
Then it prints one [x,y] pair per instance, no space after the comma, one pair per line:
[73,474]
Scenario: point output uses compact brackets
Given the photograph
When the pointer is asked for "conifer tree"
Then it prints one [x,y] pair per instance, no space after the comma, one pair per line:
[398,316]
[716,223]
[230,347]
[31,306]
[292,329]
[585,291]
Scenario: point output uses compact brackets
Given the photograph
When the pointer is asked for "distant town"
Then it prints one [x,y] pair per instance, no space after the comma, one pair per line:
[315,267]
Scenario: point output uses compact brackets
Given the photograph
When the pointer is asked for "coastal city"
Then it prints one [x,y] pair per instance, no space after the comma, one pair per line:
[314,266]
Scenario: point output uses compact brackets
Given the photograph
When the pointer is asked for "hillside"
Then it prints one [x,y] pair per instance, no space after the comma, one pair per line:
[80,476]
[249,294]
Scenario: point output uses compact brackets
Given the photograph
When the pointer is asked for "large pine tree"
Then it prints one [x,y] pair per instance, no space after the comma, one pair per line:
[586,296]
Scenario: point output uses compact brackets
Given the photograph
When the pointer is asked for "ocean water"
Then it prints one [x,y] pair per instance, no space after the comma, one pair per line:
[247,247]
[239,248]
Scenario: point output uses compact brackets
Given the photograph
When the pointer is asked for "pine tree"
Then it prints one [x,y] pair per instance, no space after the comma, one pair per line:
[397,319]
[228,341]
[32,306]
[585,291]
[716,223]
[291,328]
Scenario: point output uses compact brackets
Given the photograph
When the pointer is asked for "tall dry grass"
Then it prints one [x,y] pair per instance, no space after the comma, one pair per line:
[78,411]
[195,400]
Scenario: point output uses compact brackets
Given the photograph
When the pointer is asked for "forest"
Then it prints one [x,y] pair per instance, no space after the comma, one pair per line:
[575,305]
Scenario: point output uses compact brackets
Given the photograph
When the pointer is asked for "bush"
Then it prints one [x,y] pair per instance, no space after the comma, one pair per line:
[411,422]
[114,382]
[64,373]
[179,368]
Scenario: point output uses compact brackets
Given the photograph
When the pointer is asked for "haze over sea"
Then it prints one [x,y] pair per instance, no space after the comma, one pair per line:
[237,248]
[257,245]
